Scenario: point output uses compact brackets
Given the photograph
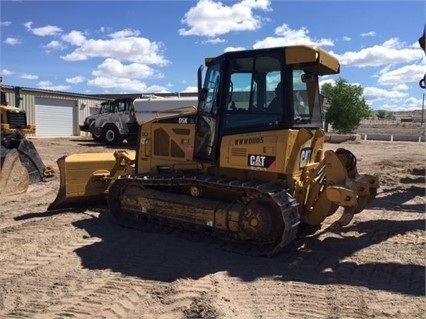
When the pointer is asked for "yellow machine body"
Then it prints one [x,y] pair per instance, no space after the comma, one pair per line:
[231,165]
[20,163]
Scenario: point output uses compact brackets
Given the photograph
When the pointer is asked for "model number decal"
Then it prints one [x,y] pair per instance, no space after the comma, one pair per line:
[249,140]
[305,156]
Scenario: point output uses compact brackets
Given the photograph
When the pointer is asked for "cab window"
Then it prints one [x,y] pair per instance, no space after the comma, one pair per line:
[252,84]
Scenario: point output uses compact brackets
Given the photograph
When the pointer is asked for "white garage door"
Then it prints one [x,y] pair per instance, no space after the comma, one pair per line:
[54,117]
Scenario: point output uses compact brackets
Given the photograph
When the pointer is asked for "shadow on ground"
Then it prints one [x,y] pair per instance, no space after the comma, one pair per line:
[166,255]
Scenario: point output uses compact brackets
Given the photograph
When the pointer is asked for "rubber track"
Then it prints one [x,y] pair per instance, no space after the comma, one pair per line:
[249,188]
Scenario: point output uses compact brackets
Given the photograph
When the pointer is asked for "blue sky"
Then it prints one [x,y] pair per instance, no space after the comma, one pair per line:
[156,46]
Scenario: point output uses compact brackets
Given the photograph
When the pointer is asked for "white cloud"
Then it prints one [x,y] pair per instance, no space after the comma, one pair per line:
[115,69]
[214,41]
[374,93]
[48,30]
[190,89]
[29,76]
[401,87]
[76,38]
[395,99]
[125,84]
[210,18]
[132,49]
[127,58]
[75,80]
[346,38]
[112,74]
[5,23]
[390,52]
[284,36]
[12,41]
[323,80]
[404,74]
[47,85]
[6,72]
[368,34]
[408,104]
[125,34]
[230,49]
[54,45]
[156,89]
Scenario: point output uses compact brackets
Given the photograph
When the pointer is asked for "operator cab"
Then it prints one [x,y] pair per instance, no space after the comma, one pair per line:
[259,90]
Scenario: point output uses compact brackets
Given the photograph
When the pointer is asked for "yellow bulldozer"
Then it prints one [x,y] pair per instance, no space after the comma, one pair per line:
[244,161]
[20,163]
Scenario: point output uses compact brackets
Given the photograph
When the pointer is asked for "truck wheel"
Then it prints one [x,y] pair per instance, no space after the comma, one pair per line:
[111,135]
[96,137]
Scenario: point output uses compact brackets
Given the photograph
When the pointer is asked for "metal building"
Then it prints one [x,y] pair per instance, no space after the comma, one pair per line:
[60,114]
[55,114]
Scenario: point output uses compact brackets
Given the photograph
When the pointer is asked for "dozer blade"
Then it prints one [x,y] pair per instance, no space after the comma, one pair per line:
[85,178]
[14,177]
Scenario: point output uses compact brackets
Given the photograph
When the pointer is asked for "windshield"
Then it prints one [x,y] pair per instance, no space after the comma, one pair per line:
[263,93]
[255,96]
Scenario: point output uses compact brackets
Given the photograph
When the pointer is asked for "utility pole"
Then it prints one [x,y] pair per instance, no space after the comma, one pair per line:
[423,108]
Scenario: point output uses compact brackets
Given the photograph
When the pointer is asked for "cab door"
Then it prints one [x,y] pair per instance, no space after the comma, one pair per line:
[208,108]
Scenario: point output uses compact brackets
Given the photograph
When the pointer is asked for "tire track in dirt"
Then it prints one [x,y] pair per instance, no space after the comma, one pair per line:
[54,235]
[86,294]
[39,194]
[46,266]
[254,299]
[158,279]
[305,301]
[68,290]
[183,298]
[381,254]
[118,295]
[111,295]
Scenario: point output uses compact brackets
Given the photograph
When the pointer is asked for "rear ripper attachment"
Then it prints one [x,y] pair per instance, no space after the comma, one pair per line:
[334,182]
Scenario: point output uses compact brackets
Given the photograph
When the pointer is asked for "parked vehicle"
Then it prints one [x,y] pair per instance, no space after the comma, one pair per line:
[89,121]
[117,125]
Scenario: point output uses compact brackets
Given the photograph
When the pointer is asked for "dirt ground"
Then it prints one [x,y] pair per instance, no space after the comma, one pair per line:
[80,264]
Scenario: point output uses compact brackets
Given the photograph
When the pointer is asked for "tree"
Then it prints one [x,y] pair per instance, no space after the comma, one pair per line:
[381,114]
[347,106]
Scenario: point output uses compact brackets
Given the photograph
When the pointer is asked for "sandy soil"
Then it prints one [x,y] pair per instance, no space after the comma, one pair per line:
[80,264]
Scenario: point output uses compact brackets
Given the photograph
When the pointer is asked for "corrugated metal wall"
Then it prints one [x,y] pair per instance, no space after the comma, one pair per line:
[84,105]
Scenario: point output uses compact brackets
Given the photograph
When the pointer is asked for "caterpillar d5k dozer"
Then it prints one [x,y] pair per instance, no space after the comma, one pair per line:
[21,164]
[247,165]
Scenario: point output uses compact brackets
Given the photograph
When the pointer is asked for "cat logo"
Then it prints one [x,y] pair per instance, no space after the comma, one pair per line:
[305,156]
[256,160]
[260,161]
